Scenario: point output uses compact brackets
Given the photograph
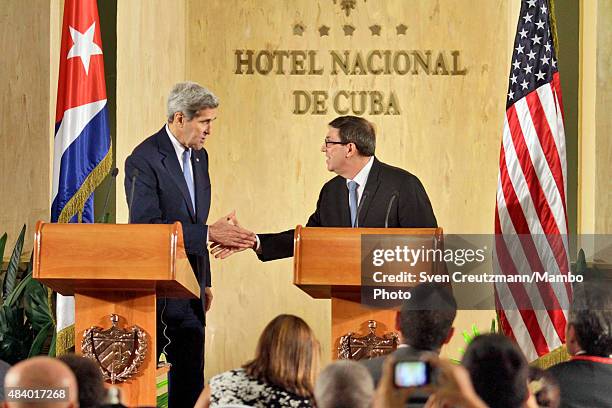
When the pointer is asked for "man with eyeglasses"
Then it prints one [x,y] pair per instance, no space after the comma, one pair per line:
[359,196]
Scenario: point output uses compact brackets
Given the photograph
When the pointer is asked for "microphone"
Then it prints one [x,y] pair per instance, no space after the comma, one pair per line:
[393,197]
[113,176]
[363,197]
[134,176]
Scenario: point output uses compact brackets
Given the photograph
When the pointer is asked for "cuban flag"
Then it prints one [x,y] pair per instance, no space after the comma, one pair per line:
[82,155]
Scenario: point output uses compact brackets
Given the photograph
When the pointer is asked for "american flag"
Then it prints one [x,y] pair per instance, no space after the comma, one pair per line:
[530,215]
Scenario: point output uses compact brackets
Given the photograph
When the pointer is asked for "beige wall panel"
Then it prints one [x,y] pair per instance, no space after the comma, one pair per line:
[25,120]
[150,59]
[587,107]
[603,123]
[266,163]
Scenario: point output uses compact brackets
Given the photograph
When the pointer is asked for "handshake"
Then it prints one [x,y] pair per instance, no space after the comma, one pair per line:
[228,237]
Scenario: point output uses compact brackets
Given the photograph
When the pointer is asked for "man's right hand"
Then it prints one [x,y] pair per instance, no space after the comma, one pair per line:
[226,232]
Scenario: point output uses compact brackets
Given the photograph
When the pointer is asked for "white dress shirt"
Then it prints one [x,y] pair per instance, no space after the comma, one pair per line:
[362,178]
[179,149]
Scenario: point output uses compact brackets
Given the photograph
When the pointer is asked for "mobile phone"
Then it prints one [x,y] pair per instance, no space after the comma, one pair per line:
[411,373]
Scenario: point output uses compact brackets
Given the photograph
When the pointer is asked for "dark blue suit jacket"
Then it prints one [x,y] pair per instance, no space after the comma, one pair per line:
[161,197]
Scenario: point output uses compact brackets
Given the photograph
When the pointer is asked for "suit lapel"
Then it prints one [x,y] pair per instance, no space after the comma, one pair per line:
[345,211]
[172,165]
[199,163]
[370,188]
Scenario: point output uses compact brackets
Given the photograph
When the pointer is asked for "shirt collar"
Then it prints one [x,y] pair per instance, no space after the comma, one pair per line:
[362,177]
[178,147]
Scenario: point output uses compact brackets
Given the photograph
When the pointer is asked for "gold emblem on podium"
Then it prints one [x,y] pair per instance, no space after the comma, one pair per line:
[118,352]
[369,346]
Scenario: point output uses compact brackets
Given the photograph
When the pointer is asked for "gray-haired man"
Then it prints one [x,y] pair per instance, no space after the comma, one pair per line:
[169,176]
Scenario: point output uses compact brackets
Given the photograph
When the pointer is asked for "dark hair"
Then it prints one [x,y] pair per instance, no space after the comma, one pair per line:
[89,380]
[591,317]
[359,131]
[426,319]
[287,356]
[544,387]
[498,370]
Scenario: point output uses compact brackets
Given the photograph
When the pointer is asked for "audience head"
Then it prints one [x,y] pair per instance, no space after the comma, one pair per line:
[89,379]
[42,373]
[287,356]
[589,326]
[544,387]
[4,367]
[344,384]
[498,371]
[426,320]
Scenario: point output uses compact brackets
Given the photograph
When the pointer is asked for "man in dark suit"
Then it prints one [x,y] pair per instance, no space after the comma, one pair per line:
[166,181]
[425,323]
[586,379]
[362,194]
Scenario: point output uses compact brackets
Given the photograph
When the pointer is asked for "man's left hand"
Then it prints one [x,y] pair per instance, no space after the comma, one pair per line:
[209,298]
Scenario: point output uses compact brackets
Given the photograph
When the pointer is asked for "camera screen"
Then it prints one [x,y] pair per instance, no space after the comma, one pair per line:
[411,374]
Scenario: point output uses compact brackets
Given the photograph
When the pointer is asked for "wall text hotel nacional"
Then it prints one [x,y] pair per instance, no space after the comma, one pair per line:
[348,63]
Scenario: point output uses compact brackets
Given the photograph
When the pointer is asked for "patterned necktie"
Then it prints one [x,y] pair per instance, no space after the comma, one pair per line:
[188,176]
[352,186]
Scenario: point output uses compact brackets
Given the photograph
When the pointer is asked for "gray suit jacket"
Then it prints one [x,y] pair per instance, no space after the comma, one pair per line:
[375,365]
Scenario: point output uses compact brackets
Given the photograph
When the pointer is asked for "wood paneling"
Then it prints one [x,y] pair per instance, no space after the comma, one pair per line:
[26,127]
[94,309]
[603,182]
[150,59]
[75,257]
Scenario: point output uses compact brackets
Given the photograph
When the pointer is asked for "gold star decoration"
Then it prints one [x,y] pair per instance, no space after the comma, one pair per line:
[348,29]
[298,29]
[401,29]
[375,29]
[323,30]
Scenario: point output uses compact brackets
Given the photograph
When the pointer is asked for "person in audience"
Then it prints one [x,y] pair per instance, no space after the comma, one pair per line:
[498,370]
[89,380]
[425,323]
[41,373]
[344,384]
[452,387]
[543,389]
[4,367]
[586,380]
[281,374]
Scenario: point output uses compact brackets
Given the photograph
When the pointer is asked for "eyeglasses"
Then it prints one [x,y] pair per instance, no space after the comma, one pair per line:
[331,142]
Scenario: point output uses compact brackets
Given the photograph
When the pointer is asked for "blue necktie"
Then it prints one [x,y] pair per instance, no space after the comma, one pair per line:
[188,176]
[352,186]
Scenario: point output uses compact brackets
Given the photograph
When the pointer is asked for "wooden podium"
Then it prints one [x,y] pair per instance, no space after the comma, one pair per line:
[327,265]
[116,269]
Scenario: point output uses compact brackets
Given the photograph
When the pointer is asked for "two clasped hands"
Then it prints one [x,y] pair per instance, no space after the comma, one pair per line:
[227,237]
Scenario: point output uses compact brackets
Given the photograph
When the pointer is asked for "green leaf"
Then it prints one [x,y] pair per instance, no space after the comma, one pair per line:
[2,245]
[53,343]
[14,298]
[15,334]
[39,340]
[581,265]
[37,306]
[10,279]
